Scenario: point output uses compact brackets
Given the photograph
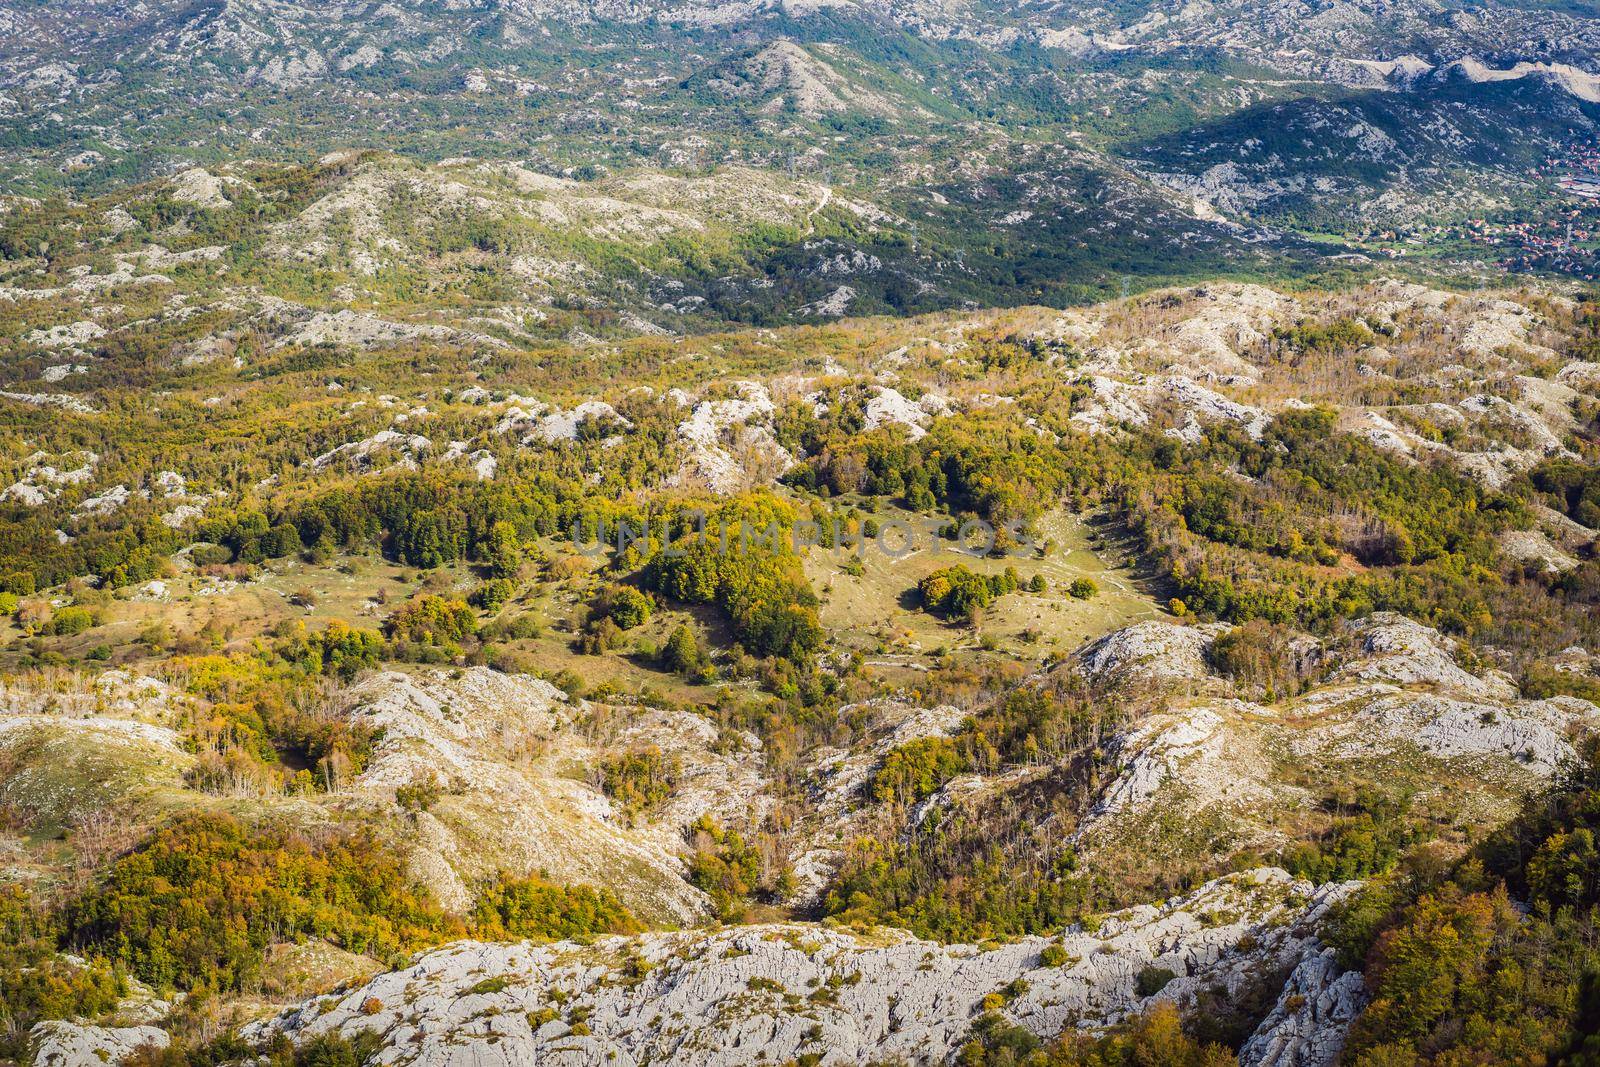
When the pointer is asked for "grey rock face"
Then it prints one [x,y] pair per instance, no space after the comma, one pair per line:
[1393,690]
[787,990]
[62,1044]
[1308,1025]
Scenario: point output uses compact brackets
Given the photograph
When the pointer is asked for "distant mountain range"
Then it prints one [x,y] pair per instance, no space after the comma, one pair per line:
[1275,118]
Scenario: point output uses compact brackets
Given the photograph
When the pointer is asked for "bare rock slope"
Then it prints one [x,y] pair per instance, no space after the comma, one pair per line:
[791,990]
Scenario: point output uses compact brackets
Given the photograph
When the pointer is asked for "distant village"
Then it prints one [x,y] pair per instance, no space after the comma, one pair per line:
[1563,241]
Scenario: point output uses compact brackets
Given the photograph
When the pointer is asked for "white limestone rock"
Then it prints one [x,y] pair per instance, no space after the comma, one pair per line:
[1395,649]
[44,476]
[713,999]
[1311,1020]
[1154,752]
[510,754]
[63,1044]
[729,444]
[201,188]
[1533,546]
[403,448]
[67,335]
[1390,690]
[107,502]
[64,401]
[558,425]
[358,329]
[1150,652]
[889,406]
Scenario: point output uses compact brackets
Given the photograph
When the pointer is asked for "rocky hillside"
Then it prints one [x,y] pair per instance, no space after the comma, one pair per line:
[1392,705]
[1384,158]
[789,991]
[483,253]
[688,532]
[931,831]
[511,764]
[1340,121]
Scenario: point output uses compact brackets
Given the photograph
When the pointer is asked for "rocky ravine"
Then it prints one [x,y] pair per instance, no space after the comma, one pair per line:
[1388,700]
[778,992]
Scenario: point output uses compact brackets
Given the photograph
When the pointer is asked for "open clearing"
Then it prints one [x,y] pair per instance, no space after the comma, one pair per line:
[878,612]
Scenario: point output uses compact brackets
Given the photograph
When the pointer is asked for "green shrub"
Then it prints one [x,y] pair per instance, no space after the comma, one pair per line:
[640,780]
[512,908]
[724,867]
[209,555]
[202,898]
[765,595]
[681,653]
[431,620]
[623,605]
[71,621]
[1152,980]
[493,594]
[916,769]
[18,583]
[957,592]
[35,982]
[344,651]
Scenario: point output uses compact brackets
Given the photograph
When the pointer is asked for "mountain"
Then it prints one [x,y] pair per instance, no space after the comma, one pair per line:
[992,532]
[890,104]
[783,76]
[298,504]
[1385,157]
[503,246]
